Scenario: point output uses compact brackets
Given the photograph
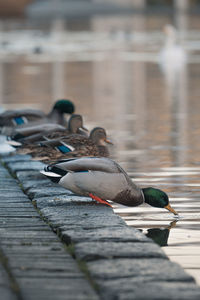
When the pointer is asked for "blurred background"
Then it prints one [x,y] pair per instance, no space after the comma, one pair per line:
[131,65]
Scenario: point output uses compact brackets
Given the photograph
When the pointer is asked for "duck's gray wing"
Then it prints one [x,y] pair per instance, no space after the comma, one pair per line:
[33,138]
[46,135]
[34,128]
[89,163]
[107,179]
[22,112]
[8,115]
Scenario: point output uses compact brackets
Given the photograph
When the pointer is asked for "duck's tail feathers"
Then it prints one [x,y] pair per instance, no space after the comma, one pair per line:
[52,176]
[14,144]
[56,170]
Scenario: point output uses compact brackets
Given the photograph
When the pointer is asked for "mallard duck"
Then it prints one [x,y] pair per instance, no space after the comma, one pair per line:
[13,118]
[41,132]
[73,145]
[103,179]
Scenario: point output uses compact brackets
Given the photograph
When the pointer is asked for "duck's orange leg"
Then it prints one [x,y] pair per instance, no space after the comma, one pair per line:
[99,200]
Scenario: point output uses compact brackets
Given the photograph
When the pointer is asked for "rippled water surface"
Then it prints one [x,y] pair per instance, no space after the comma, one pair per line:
[111,71]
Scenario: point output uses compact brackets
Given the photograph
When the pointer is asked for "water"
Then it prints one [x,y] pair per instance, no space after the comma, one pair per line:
[111,71]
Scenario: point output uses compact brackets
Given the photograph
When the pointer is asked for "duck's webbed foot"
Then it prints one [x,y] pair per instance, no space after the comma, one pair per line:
[99,200]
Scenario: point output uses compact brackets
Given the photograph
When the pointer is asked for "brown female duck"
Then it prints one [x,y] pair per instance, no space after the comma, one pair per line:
[74,145]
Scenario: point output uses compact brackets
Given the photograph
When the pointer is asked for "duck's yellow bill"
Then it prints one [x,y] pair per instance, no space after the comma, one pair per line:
[168,207]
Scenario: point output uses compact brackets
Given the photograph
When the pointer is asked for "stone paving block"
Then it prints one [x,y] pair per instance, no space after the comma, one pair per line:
[21,214]
[139,270]
[56,263]
[6,293]
[11,189]
[24,176]
[83,221]
[6,200]
[3,170]
[45,192]
[32,249]
[113,234]
[20,210]
[64,290]
[48,282]
[27,165]
[68,199]
[46,270]
[109,250]
[20,226]
[24,222]
[37,184]
[26,240]
[59,273]
[75,206]
[34,234]
[129,289]
[15,158]
[15,205]
[7,185]
[11,194]
[6,181]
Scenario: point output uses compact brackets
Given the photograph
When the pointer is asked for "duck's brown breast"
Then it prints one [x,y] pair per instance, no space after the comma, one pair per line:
[128,198]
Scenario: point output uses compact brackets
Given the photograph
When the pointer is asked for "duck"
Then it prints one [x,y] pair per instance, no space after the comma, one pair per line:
[73,145]
[14,118]
[103,179]
[41,132]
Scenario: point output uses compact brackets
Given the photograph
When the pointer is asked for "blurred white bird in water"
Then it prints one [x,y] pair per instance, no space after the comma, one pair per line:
[172,57]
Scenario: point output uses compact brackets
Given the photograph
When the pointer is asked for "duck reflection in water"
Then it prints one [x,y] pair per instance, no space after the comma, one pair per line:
[160,235]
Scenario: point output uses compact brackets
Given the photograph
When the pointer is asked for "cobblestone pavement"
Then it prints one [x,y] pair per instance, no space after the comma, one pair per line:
[56,245]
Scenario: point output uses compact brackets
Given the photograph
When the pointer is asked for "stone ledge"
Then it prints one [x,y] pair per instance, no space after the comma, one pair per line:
[139,270]
[123,262]
[130,288]
[37,260]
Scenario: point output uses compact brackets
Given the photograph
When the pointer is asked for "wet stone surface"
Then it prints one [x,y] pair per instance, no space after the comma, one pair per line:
[103,234]
[26,165]
[35,264]
[45,192]
[34,184]
[129,289]
[5,284]
[146,269]
[110,250]
[123,262]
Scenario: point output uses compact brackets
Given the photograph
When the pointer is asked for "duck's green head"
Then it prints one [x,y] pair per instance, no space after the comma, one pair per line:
[64,106]
[157,198]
